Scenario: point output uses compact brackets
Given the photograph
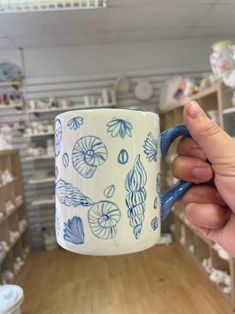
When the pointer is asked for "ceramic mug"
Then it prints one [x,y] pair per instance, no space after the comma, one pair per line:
[107,190]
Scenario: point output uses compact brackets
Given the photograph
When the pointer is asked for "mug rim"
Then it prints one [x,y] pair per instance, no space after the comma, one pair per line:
[146,112]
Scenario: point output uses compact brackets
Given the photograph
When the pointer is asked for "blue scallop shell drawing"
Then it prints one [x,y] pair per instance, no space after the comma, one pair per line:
[65,160]
[119,127]
[89,152]
[73,230]
[135,182]
[103,218]
[150,147]
[75,123]
[123,157]
[58,136]
[154,223]
[69,195]
[109,191]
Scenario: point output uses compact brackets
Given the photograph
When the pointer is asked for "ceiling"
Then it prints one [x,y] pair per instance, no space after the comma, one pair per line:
[125,21]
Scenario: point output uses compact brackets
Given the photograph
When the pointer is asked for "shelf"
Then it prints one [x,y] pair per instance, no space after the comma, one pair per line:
[229,110]
[38,135]
[10,182]
[43,202]
[10,84]
[12,106]
[44,157]
[11,213]
[201,94]
[42,180]
[46,110]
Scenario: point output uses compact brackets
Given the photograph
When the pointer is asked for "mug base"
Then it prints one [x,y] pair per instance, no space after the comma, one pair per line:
[111,253]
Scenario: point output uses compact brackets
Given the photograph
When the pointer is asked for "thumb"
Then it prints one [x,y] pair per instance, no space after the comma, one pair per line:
[216,144]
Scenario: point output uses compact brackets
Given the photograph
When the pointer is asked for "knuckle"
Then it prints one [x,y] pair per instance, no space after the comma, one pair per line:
[210,130]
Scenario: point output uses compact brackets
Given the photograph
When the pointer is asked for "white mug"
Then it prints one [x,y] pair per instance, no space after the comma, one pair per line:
[107,191]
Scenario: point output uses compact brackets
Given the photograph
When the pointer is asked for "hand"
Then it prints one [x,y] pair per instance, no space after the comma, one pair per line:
[208,158]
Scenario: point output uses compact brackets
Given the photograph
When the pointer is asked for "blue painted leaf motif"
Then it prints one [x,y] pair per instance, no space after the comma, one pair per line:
[65,160]
[75,123]
[56,173]
[119,127]
[150,147]
[73,230]
[103,218]
[109,191]
[154,223]
[58,136]
[69,195]
[123,157]
[158,188]
[136,197]
[89,152]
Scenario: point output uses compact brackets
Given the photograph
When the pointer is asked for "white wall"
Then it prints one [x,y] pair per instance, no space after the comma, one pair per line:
[12,55]
[119,58]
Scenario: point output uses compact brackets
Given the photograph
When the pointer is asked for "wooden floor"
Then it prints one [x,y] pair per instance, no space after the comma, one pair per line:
[162,280]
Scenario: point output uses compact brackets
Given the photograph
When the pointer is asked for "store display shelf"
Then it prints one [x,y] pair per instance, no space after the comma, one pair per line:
[12,106]
[44,157]
[10,182]
[11,213]
[79,107]
[38,135]
[42,180]
[229,110]
[10,84]
[43,202]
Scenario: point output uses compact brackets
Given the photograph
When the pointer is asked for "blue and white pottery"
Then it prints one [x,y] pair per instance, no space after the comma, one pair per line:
[108,178]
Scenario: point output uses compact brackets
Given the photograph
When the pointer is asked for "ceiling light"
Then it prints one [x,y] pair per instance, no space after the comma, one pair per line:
[17,6]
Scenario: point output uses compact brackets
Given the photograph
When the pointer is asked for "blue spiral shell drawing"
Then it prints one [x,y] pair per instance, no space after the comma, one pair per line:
[135,182]
[75,123]
[73,230]
[150,147]
[123,157]
[65,160]
[119,127]
[58,136]
[109,191]
[154,223]
[69,195]
[89,152]
[103,218]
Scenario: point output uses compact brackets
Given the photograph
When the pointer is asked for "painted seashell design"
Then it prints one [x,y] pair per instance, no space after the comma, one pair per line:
[119,127]
[103,218]
[89,152]
[109,191]
[69,195]
[158,188]
[135,200]
[154,223]
[150,147]
[58,136]
[75,123]
[65,160]
[123,157]
[73,230]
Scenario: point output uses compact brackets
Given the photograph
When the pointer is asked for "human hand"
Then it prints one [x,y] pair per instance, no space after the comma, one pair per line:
[208,158]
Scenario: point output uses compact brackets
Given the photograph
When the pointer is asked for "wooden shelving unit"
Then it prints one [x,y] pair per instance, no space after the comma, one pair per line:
[217,98]
[13,220]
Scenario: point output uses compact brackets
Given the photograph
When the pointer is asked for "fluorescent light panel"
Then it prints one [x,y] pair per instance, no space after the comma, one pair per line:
[14,6]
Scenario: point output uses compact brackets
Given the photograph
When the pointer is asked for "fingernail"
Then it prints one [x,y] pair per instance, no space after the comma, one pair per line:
[194,110]
[202,173]
[196,152]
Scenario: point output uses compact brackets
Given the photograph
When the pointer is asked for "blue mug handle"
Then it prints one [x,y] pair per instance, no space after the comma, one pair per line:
[169,198]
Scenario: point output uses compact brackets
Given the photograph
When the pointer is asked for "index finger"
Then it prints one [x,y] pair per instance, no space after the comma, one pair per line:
[188,147]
